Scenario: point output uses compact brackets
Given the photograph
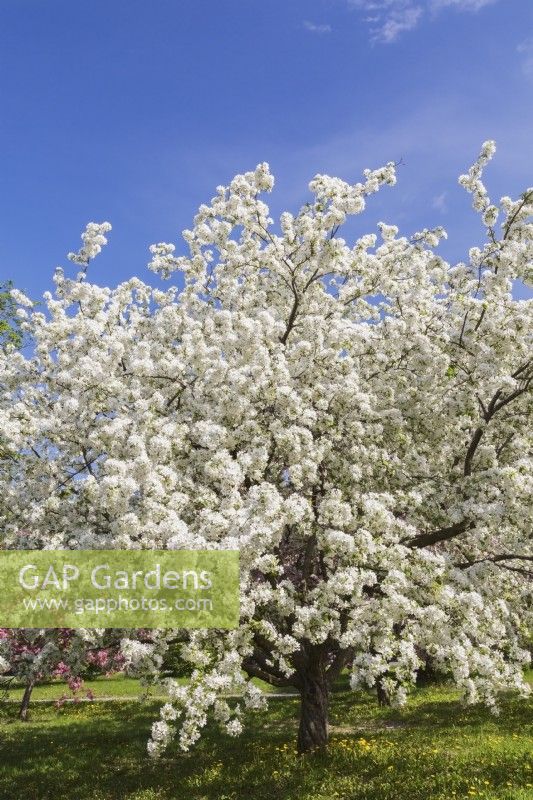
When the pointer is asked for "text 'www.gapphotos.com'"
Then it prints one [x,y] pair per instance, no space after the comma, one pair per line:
[110,605]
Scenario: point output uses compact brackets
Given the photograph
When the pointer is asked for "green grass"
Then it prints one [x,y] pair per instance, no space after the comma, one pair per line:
[112,686]
[433,750]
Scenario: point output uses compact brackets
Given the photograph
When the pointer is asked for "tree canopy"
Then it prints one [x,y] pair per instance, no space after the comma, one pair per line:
[353,417]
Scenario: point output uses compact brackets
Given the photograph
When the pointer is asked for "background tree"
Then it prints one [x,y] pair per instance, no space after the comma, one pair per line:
[31,656]
[10,331]
[354,418]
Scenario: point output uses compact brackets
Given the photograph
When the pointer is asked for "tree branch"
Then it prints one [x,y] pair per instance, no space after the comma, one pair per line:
[441,535]
[253,670]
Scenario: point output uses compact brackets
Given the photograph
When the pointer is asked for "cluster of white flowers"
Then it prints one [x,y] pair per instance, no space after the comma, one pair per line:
[139,655]
[353,419]
[93,239]
[163,261]
[472,180]
[20,298]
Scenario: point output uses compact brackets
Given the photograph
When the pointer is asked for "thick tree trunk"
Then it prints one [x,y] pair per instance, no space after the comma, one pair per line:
[314,702]
[25,704]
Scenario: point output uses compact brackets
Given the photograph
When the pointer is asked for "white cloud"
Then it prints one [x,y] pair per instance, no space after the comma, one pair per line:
[388,19]
[404,20]
[462,5]
[526,51]
[314,28]
[439,202]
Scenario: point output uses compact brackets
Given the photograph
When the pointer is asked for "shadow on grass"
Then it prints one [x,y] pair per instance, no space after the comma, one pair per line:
[437,750]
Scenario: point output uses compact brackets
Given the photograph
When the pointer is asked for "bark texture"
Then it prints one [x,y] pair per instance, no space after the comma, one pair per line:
[314,704]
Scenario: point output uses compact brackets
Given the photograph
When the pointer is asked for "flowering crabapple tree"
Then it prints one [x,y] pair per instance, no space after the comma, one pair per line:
[31,656]
[352,417]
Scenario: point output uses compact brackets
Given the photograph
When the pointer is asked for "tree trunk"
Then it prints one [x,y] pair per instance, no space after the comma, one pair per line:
[314,702]
[25,704]
[383,694]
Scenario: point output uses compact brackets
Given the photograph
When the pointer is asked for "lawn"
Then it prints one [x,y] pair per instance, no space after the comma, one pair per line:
[115,686]
[433,750]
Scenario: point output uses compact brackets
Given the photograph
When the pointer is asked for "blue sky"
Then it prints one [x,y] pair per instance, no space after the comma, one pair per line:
[134,111]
